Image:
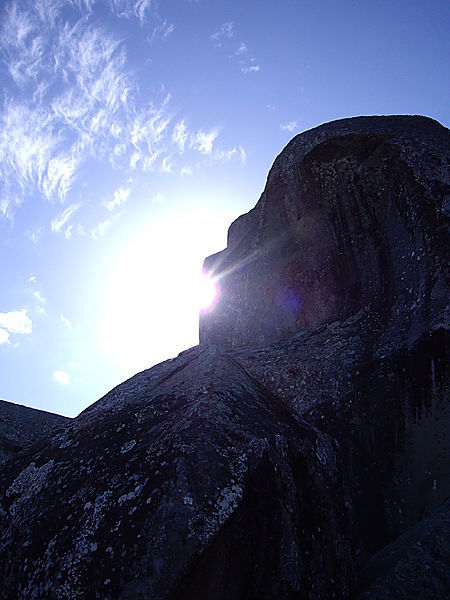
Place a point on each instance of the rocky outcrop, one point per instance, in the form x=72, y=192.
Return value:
x=354, y=214
x=301, y=451
x=334, y=292
x=190, y=480
x=20, y=426
x=387, y=406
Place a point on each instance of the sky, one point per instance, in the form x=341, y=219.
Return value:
x=134, y=131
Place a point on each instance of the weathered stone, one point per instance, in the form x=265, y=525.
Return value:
x=414, y=567
x=190, y=479
x=20, y=426
x=354, y=213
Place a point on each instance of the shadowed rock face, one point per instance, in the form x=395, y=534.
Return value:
x=191, y=479
x=300, y=456
x=354, y=212
x=417, y=565
x=20, y=426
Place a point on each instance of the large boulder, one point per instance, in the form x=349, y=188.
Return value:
x=354, y=213
x=190, y=480
x=334, y=292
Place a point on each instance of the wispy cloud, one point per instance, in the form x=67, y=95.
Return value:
x=162, y=32
x=58, y=223
x=290, y=126
x=102, y=228
x=225, y=32
x=16, y=321
x=180, y=135
x=39, y=297
x=250, y=69
x=4, y=336
x=65, y=321
x=203, y=142
x=133, y=8
x=225, y=37
x=61, y=377
x=71, y=97
x=34, y=234
x=31, y=155
x=120, y=196
x=237, y=151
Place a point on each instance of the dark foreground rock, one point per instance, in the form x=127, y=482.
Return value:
x=20, y=426
x=190, y=480
x=302, y=450
x=414, y=567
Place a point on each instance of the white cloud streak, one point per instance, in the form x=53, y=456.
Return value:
x=39, y=297
x=225, y=32
x=16, y=321
x=120, y=196
x=203, y=142
x=162, y=32
x=65, y=321
x=4, y=336
x=250, y=69
x=130, y=9
x=291, y=126
x=71, y=97
x=180, y=136
x=102, y=228
x=61, y=377
x=58, y=223
x=237, y=151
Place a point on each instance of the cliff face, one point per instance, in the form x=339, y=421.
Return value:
x=302, y=450
x=354, y=214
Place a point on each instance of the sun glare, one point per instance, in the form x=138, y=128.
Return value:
x=156, y=292
x=208, y=292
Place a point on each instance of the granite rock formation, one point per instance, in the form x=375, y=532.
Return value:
x=20, y=426
x=354, y=214
x=301, y=451
x=191, y=480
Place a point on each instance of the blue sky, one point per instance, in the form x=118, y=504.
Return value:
x=134, y=131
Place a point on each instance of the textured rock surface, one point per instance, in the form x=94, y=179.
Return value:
x=354, y=212
x=387, y=406
x=414, y=567
x=20, y=426
x=190, y=479
x=305, y=454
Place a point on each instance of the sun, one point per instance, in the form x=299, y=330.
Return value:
x=208, y=292
x=155, y=292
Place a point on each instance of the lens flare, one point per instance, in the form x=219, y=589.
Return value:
x=208, y=292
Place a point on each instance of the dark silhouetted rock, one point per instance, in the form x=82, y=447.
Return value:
x=190, y=479
x=414, y=567
x=283, y=456
x=354, y=213
x=20, y=426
